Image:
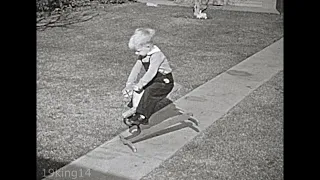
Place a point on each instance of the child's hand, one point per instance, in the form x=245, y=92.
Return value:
x=137, y=87
x=127, y=93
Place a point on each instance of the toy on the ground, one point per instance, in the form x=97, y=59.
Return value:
x=165, y=120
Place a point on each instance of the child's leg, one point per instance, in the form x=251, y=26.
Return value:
x=154, y=92
x=136, y=97
x=151, y=96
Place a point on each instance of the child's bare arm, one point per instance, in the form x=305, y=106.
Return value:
x=134, y=73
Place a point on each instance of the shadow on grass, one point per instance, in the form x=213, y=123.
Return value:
x=71, y=172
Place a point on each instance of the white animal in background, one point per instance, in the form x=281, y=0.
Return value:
x=201, y=15
x=199, y=7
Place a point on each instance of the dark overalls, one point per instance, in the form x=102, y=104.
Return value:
x=156, y=90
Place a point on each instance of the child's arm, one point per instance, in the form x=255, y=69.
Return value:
x=134, y=73
x=155, y=62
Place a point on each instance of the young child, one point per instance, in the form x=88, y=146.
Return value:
x=154, y=85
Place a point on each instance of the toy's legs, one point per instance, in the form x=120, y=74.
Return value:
x=129, y=115
x=135, y=102
x=170, y=118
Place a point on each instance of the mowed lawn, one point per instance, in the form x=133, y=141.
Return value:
x=81, y=69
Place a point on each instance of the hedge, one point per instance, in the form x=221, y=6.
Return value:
x=51, y=5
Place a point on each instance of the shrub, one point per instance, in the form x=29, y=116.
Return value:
x=51, y=5
x=54, y=13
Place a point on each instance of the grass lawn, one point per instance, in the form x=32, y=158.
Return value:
x=81, y=69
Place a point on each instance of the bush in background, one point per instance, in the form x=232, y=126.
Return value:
x=54, y=13
x=51, y=5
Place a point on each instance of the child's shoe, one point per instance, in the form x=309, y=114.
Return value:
x=139, y=119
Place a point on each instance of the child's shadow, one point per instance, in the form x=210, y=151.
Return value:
x=163, y=103
x=165, y=109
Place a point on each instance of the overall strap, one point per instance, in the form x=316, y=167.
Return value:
x=145, y=64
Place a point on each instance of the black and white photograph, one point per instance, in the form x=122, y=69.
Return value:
x=159, y=89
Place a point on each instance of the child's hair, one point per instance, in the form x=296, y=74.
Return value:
x=141, y=37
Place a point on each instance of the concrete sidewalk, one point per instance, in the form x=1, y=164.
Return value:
x=209, y=102
x=246, y=143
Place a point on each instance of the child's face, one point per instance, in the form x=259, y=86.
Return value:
x=142, y=51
